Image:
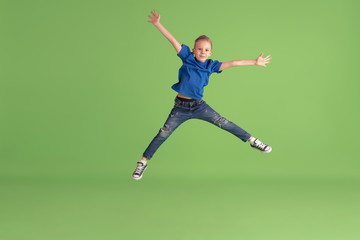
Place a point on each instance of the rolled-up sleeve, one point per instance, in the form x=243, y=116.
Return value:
x=184, y=52
x=215, y=66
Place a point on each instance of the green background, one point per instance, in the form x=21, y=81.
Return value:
x=85, y=86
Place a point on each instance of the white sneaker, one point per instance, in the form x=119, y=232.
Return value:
x=257, y=144
x=137, y=175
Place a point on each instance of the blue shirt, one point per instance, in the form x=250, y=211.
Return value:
x=194, y=75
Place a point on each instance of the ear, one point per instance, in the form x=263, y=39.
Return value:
x=193, y=50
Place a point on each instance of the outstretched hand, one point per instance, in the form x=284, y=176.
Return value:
x=155, y=18
x=262, y=61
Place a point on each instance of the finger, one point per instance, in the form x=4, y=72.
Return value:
x=155, y=12
x=159, y=15
x=149, y=16
x=261, y=54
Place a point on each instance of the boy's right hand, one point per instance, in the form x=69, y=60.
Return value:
x=155, y=18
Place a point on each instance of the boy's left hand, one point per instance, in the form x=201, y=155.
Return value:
x=262, y=61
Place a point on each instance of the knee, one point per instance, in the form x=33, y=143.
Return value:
x=165, y=131
x=221, y=121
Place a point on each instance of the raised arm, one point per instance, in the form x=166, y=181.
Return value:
x=260, y=61
x=155, y=19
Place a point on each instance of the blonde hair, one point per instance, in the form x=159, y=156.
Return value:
x=203, y=37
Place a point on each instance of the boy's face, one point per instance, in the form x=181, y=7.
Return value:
x=202, y=50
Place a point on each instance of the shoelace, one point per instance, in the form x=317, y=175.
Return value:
x=139, y=169
x=260, y=145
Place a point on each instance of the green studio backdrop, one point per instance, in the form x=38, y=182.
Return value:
x=86, y=85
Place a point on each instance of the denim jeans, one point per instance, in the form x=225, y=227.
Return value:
x=197, y=109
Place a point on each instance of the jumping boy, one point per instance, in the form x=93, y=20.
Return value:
x=193, y=77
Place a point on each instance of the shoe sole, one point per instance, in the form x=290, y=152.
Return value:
x=268, y=151
x=135, y=178
x=262, y=151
